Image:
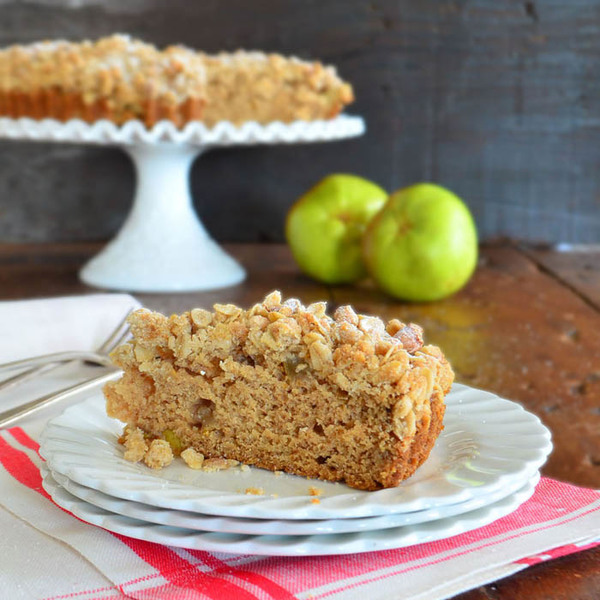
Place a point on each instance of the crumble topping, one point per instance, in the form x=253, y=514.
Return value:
x=119, y=68
x=125, y=78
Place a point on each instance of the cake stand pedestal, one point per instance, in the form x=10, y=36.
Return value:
x=163, y=246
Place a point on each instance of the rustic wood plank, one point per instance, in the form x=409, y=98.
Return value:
x=573, y=577
x=578, y=268
x=268, y=267
x=38, y=270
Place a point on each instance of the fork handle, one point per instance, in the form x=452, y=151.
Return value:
x=8, y=417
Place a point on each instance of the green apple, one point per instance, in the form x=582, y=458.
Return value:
x=422, y=245
x=324, y=228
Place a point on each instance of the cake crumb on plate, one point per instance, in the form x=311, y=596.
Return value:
x=159, y=454
x=218, y=464
x=193, y=458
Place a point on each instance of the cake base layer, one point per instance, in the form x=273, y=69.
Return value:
x=64, y=106
x=274, y=427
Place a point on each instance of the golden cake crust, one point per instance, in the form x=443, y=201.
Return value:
x=120, y=78
x=286, y=387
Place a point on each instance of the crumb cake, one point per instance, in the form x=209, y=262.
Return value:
x=283, y=387
x=121, y=78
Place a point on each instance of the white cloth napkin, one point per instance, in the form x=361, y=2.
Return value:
x=46, y=553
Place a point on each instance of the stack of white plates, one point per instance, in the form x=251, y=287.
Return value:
x=484, y=465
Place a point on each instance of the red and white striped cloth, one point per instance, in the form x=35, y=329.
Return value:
x=46, y=553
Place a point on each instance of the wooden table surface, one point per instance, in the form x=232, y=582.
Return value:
x=526, y=327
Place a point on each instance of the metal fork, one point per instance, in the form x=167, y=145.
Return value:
x=118, y=336
x=39, y=365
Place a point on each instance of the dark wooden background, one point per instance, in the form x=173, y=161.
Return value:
x=497, y=99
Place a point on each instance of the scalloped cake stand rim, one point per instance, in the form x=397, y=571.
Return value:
x=194, y=133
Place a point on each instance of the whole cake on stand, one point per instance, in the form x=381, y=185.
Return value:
x=164, y=108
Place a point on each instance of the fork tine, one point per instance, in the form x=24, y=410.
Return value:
x=124, y=337
x=45, y=364
x=54, y=358
x=117, y=336
x=121, y=340
x=26, y=376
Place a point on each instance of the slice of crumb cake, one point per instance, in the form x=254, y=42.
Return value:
x=285, y=387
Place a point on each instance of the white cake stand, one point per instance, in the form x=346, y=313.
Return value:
x=163, y=246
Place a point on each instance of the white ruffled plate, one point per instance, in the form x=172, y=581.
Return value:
x=488, y=444
x=288, y=545
x=200, y=522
